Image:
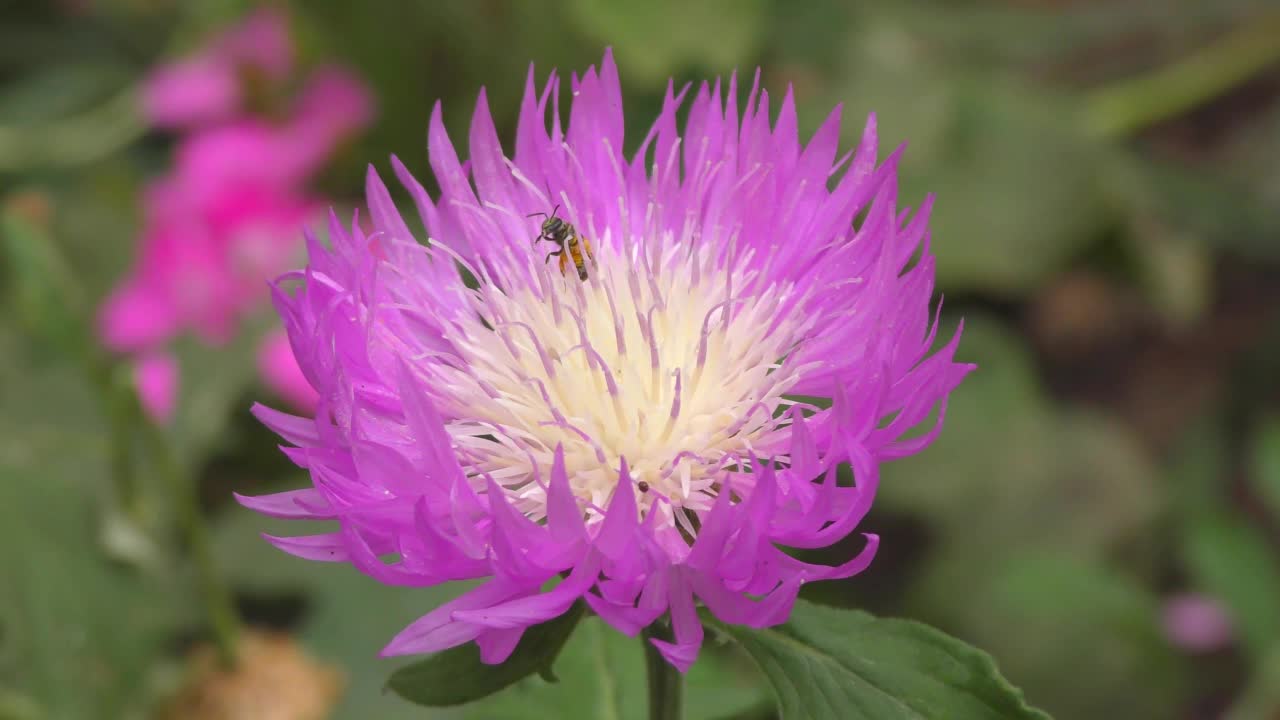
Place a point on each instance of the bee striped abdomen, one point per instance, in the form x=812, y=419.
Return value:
x=579, y=250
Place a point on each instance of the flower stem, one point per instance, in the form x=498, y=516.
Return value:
x=666, y=684
x=1133, y=104
x=224, y=620
x=121, y=408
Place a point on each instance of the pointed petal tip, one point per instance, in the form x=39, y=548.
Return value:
x=681, y=657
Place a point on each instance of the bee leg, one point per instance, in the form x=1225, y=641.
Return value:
x=552, y=254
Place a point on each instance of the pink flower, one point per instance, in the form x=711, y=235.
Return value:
x=632, y=429
x=207, y=86
x=190, y=91
x=156, y=377
x=261, y=41
x=332, y=106
x=225, y=219
x=204, y=262
x=281, y=374
x=1196, y=622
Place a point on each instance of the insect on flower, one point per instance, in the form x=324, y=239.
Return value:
x=570, y=243
x=642, y=442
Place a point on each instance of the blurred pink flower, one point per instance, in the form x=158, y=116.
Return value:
x=206, y=86
x=330, y=108
x=228, y=216
x=1196, y=622
x=260, y=41
x=156, y=377
x=190, y=91
x=281, y=374
x=204, y=265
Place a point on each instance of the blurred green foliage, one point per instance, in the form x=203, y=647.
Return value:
x=1106, y=454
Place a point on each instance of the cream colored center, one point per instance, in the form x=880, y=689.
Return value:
x=656, y=361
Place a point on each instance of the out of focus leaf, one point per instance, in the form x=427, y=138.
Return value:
x=827, y=663
x=1195, y=472
x=1204, y=205
x=1043, y=481
x=1175, y=270
x=1074, y=478
x=1233, y=561
x=1043, y=611
x=457, y=675
x=81, y=634
x=1016, y=181
x=347, y=617
x=14, y=706
x=55, y=91
x=1266, y=463
x=1251, y=159
x=95, y=224
x=1261, y=697
x=47, y=301
x=601, y=674
x=212, y=388
x=653, y=39
x=1002, y=33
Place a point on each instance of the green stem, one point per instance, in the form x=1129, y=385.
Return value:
x=666, y=684
x=121, y=407
x=1130, y=105
x=73, y=141
x=224, y=621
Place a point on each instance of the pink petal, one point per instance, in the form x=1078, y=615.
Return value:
x=156, y=376
x=280, y=373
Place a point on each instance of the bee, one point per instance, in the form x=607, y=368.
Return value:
x=571, y=245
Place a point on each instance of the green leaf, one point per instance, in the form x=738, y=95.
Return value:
x=80, y=635
x=1261, y=697
x=55, y=91
x=1034, y=472
x=214, y=387
x=1233, y=561
x=1040, y=610
x=1266, y=463
x=602, y=677
x=651, y=47
x=1016, y=182
x=47, y=300
x=1060, y=492
x=827, y=663
x=457, y=675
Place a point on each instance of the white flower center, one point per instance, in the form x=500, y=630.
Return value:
x=659, y=360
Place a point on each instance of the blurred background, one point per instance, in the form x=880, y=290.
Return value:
x=1101, y=513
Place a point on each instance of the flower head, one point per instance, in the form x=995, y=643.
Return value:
x=209, y=84
x=646, y=435
x=1196, y=622
x=224, y=220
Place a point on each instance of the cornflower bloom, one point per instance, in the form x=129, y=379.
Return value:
x=641, y=439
